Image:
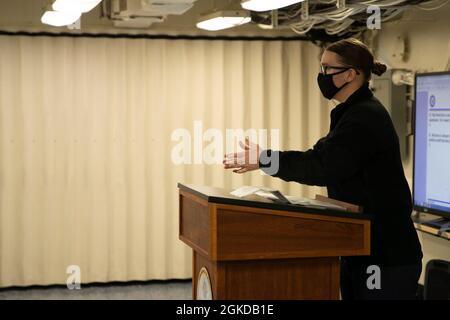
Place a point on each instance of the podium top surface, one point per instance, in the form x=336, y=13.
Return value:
x=223, y=196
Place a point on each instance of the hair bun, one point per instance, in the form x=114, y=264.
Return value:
x=378, y=68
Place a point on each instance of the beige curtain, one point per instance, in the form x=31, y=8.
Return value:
x=86, y=176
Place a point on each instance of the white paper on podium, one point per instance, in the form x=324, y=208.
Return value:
x=296, y=200
x=247, y=190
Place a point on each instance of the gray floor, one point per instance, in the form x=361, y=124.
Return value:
x=141, y=291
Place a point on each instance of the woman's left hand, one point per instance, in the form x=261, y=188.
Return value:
x=247, y=160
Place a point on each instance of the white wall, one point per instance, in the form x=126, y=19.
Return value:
x=428, y=36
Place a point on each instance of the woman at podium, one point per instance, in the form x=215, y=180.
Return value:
x=359, y=162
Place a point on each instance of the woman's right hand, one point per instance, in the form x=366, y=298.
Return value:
x=247, y=160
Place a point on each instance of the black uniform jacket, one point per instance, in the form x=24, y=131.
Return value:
x=359, y=162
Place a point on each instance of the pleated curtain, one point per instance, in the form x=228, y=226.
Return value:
x=86, y=124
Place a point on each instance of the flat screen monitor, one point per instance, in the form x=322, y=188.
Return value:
x=431, y=172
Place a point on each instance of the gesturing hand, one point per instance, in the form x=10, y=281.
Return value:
x=247, y=160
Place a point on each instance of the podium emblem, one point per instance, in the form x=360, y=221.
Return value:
x=204, y=291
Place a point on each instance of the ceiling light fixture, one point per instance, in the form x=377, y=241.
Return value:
x=223, y=20
x=67, y=12
x=267, y=5
x=59, y=19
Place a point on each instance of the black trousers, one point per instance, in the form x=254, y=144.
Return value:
x=397, y=282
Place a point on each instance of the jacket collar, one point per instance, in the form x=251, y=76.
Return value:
x=361, y=93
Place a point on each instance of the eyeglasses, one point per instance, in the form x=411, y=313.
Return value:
x=324, y=69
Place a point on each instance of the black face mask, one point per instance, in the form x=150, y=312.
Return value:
x=327, y=86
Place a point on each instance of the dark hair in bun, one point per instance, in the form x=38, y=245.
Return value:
x=356, y=54
x=378, y=68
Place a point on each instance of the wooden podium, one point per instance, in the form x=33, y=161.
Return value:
x=254, y=248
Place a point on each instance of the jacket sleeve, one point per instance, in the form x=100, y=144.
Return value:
x=333, y=159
